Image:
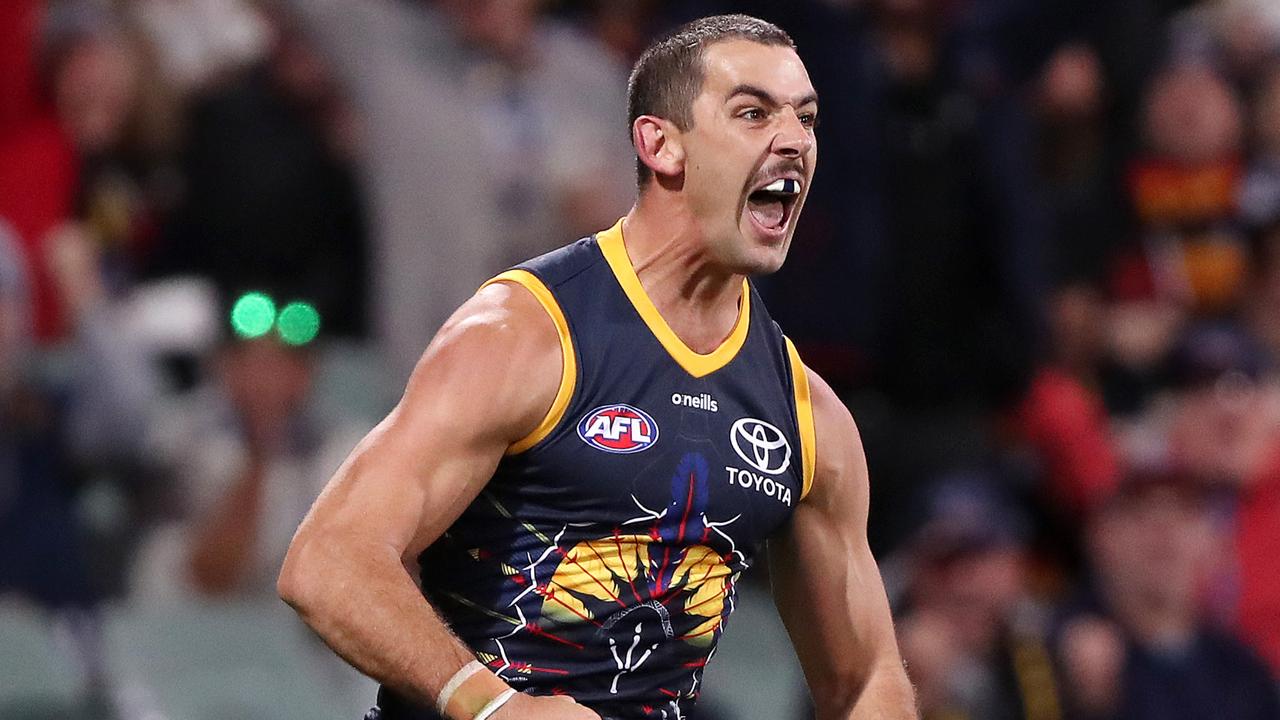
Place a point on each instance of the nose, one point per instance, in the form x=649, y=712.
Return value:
x=793, y=139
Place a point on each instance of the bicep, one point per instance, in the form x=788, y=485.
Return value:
x=825, y=580
x=418, y=469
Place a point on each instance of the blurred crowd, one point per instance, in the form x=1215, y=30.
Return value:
x=1040, y=262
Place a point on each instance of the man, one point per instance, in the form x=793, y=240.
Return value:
x=1142, y=647
x=592, y=448
x=528, y=142
x=967, y=624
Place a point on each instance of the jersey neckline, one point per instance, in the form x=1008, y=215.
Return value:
x=696, y=364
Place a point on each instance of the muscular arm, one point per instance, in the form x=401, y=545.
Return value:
x=827, y=587
x=485, y=381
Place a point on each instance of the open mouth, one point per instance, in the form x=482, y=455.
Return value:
x=770, y=206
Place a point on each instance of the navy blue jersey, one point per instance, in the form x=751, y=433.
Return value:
x=602, y=559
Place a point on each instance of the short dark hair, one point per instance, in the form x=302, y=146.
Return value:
x=668, y=75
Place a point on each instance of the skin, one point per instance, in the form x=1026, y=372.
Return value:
x=267, y=383
x=827, y=586
x=691, y=241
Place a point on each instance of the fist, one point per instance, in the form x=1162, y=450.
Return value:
x=533, y=707
x=1093, y=657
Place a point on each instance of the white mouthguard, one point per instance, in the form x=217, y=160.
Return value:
x=783, y=185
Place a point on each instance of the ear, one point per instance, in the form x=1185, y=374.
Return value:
x=658, y=144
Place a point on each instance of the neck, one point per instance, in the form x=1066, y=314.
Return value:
x=1156, y=622
x=672, y=256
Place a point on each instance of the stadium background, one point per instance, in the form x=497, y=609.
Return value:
x=1041, y=262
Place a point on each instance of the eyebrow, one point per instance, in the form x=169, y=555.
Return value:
x=765, y=97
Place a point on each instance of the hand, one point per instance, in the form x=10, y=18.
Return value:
x=73, y=260
x=554, y=707
x=1093, y=657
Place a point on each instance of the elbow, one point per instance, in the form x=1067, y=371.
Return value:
x=297, y=582
x=845, y=691
x=836, y=696
x=319, y=560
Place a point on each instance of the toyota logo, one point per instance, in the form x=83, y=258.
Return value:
x=761, y=445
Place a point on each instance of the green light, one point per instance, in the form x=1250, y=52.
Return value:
x=299, y=323
x=252, y=315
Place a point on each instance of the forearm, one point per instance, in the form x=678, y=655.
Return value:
x=221, y=552
x=359, y=599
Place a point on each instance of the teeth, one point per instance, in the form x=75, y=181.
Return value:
x=783, y=185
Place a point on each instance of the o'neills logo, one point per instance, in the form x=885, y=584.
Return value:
x=703, y=401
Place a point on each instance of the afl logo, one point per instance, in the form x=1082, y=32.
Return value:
x=761, y=445
x=620, y=429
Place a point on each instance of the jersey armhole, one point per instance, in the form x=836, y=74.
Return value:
x=804, y=417
x=569, y=369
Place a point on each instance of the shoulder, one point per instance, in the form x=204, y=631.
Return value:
x=496, y=361
x=1228, y=651
x=505, y=323
x=838, y=440
x=839, y=462
x=500, y=316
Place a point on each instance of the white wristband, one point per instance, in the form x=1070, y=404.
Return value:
x=455, y=682
x=494, y=704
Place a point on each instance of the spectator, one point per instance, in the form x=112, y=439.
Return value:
x=90, y=156
x=45, y=549
x=42, y=543
x=1227, y=433
x=38, y=167
x=249, y=458
x=1240, y=36
x=529, y=151
x=1142, y=649
x=1062, y=418
x=967, y=634
x=269, y=193
x=1187, y=258
x=1227, y=404
x=1184, y=189
x=1078, y=164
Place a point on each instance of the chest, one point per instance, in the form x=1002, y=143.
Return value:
x=653, y=451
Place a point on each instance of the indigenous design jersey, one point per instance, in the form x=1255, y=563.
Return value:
x=602, y=560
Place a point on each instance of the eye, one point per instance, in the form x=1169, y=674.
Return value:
x=809, y=120
x=753, y=114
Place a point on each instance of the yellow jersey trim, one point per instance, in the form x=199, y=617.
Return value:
x=804, y=417
x=569, y=371
x=696, y=364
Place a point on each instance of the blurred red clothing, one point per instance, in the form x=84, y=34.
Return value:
x=38, y=165
x=38, y=171
x=1258, y=552
x=1066, y=424
x=19, y=102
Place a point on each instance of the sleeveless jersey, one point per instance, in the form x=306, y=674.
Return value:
x=603, y=557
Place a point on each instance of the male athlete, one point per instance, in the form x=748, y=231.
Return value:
x=595, y=446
